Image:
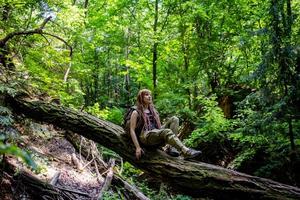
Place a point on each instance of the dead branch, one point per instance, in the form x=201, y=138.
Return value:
x=108, y=179
x=87, y=164
x=130, y=190
x=67, y=72
x=55, y=178
x=73, y=191
x=99, y=177
x=86, y=148
x=76, y=162
x=134, y=192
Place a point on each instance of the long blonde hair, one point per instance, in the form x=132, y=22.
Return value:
x=141, y=106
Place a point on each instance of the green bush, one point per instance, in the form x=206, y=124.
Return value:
x=211, y=124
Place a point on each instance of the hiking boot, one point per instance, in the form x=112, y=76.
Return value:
x=191, y=153
x=172, y=151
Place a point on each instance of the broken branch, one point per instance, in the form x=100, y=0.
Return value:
x=108, y=179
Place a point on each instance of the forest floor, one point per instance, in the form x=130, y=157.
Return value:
x=55, y=156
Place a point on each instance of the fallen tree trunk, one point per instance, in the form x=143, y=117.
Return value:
x=194, y=178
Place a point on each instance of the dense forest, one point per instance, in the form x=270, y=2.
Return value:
x=229, y=69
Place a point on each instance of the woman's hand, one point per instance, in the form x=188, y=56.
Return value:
x=138, y=153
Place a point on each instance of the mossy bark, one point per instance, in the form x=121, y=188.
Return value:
x=194, y=178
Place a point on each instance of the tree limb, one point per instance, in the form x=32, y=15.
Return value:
x=30, y=32
x=38, y=30
x=108, y=179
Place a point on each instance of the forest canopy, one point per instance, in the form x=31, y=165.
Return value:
x=230, y=70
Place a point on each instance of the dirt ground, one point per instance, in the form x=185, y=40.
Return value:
x=53, y=155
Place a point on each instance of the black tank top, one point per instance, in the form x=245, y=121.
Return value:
x=151, y=123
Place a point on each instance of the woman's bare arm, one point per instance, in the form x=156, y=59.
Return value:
x=133, y=120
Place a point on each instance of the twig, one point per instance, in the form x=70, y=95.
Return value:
x=62, y=40
x=34, y=31
x=108, y=179
x=129, y=191
x=73, y=191
x=80, y=148
x=55, y=178
x=132, y=190
x=88, y=153
x=88, y=163
x=106, y=171
x=122, y=166
x=76, y=162
x=99, y=177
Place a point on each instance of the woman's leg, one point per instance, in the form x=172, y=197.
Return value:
x=166, y=136
x=161, y=137
x=173, y=124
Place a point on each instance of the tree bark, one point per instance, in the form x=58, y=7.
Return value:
x=193, y=178
x=154, y=50
x=127, y=75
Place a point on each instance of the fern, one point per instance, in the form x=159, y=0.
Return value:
x=242, y=157
x=9, y=88
x=5, y=117
x=6, y=131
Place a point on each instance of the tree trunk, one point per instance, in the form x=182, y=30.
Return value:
x=193, y=178
x=154, y=50
x=127, y=76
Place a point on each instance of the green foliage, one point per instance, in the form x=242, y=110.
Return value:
x=71, y=94
x=9, y=88
x=130, y=171
x=261, y=117
x=244, y=156
x=203, y=48
x=132, y=174
x=5, y=117
x=182, y=197
x=15, y=151
x=8, y=134
x=171, y=103
x=212, y=124
x=107, y=153
x=278, y=160
x=114, y=114
x=110, y=195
